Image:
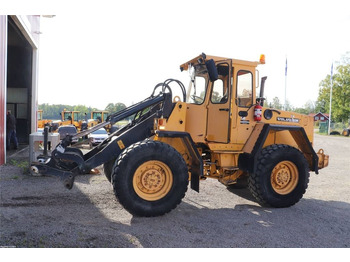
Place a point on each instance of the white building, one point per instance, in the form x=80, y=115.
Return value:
x=19, y=48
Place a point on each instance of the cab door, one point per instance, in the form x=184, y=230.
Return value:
x=219, y=110
x=244, y=100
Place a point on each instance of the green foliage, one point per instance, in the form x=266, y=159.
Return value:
x=308, y=108
x=22, y=164
x=340, y=93
x=275, y=103
x=113, y=108
x=53, y=111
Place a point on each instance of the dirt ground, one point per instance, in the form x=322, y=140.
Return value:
x=40, y=212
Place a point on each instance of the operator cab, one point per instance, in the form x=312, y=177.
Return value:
x=219, y=89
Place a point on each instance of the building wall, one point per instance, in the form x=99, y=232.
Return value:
x=3, y=64
x=29, y=29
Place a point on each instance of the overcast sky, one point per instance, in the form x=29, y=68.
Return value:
x=95, y=53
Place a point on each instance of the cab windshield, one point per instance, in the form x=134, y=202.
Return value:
x=198, y=85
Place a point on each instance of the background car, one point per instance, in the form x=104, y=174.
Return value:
x=97, y=136
x=67, y=130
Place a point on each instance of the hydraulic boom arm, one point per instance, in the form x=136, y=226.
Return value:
x=67, y=162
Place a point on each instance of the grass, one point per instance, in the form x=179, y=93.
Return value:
x=22, y=164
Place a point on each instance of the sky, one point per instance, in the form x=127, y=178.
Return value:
x=98, y=52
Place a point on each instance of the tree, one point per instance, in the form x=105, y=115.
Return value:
x=53, y=111
x=113, y=108
x=275, y=103
x=308, y=108
x=288, y=106
x=340, y=94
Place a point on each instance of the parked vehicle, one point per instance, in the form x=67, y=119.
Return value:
x=68, y=130
x=97, y=137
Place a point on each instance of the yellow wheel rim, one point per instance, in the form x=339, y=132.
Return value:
x=152, y=180
x=284, y=177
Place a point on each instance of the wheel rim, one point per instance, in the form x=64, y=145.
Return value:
x=152, y=180
x=284, y=177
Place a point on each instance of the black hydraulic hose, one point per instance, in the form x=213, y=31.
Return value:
x=183, y=89
x=165, y=85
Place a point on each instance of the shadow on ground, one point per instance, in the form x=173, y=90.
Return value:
x=39, y=212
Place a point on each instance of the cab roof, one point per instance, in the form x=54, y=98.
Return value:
x=194, y=61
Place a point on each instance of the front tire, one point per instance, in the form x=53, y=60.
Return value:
x=281, y=177
x=150, y=178
x=108, y=169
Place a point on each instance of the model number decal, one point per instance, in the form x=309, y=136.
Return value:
x=244, y=121
x=120, y=144
x=288, y=119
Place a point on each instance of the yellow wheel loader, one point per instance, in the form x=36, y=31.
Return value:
x=100, y=116
x=74, y=118
x=42, y=122
x=71, y=118
x=218, y=128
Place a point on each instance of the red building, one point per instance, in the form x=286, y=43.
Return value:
x=320, y=117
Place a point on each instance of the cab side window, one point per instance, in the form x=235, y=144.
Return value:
x=219, y=96
x=220, y=91
x=198, y=92
x=244, y=88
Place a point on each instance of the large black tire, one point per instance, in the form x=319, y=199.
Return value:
x=150, y=178
x=346, y=132
x=108, y=168
x=281, y=177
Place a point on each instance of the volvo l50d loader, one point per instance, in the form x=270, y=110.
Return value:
x=218, y=128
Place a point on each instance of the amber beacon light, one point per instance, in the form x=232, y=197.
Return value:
x=262, y=59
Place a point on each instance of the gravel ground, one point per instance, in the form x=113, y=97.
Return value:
x=40, y=212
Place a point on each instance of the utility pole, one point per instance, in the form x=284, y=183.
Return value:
x=330, y=102
x=285, y=87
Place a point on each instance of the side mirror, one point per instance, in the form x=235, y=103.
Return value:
x=212, y=70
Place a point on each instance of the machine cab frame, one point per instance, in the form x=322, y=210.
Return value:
x=221, y=100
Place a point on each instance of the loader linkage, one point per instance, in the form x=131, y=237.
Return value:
x=66, y=162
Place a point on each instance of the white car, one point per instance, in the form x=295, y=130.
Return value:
x=97, y=136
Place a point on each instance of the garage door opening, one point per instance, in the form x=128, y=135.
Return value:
x=19, y=80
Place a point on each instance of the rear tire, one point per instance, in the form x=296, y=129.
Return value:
x=281, y=177
x=150, y=178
